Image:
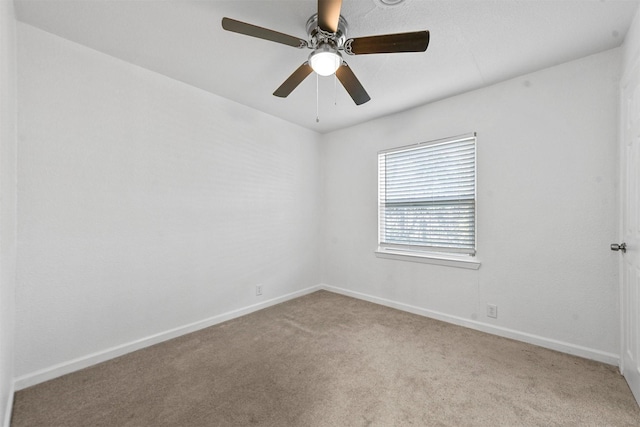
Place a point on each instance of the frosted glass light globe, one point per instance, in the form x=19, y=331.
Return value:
x=325, y=61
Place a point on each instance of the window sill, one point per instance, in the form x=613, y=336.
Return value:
x=459, y=261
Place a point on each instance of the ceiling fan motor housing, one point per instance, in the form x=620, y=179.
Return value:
x=319, y=37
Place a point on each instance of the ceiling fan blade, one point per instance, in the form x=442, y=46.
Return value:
x=352, y=84
x=293, y=81
x=262, y=33
x=329, y=14
x=390, y=43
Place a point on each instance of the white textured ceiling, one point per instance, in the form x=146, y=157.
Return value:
x=474, y=43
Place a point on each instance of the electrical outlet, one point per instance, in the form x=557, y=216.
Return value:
x=258, y=290
x=492, y=311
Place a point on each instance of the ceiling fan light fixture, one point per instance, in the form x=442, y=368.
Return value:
x=325, y=60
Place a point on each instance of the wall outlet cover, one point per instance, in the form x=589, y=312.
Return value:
x=492, y=311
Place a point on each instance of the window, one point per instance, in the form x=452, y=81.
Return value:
x=427, y=198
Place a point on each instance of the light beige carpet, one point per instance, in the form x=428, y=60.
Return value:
x=329, y=360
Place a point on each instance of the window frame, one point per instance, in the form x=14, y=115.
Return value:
x=431, y=255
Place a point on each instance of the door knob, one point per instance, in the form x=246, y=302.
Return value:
x=619, y=247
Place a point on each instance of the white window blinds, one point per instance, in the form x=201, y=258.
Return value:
x=426, y=196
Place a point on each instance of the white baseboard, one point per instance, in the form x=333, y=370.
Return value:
x=564, y=347
x=58, y=370
x=110, y=353
x=8, y=410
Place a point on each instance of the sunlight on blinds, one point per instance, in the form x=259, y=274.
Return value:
x=426, y=196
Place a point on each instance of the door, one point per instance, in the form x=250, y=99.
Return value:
x=630, y=227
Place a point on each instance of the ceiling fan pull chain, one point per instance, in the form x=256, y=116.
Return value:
x=335, y=89
x=317, y=101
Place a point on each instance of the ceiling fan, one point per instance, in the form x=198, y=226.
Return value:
x=327, y=37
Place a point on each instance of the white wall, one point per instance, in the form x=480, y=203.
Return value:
x=7, y=203
x=146, y=205
x=546, y=209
